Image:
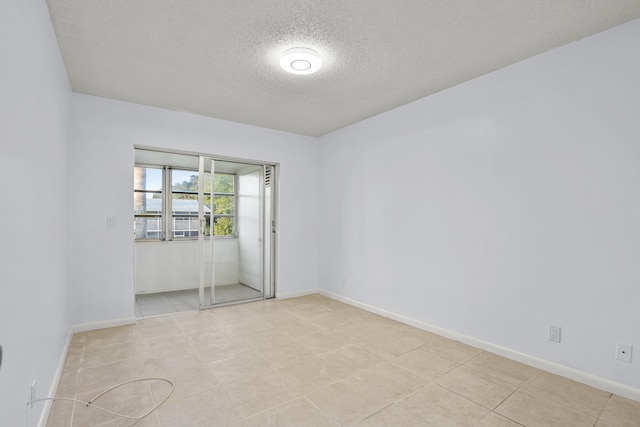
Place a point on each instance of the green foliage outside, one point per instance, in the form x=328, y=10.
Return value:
x=223, y=204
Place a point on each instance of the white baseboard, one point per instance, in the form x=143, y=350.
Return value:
x=84, y=327
x=280, y=295
x=44, y=417
x=545, y=365
x=167, y=289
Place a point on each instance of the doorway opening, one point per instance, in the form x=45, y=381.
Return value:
x=204, y=231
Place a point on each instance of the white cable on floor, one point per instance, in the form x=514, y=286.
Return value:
x=90, y=402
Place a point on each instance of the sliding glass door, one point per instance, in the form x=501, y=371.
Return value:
x=237, y=230
x=206, y=250
x=204, y=230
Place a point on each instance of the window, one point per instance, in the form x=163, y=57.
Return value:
x=184, y=203
x=224, y=198
x=147, y=202
x=166, y=203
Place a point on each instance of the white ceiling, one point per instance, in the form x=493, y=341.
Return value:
x=220, y=58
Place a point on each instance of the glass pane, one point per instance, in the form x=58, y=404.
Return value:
x=207, y=182
x=148, y=228
x=147, y=178
x=182, y=180
x=223, y=205
x=223, y=226
x=147, y=203
x=186, y=204
x=184, y=227
x=223, y=183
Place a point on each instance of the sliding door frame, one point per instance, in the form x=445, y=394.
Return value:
x=269, y=275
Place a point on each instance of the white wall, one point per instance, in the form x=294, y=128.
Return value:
x=34, y=288
x=501, y=206
x=103, y=135
x=173, y=266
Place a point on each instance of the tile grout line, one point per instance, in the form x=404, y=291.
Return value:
x=228, y=318
x=603, y=408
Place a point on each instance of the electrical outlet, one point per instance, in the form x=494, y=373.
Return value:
x=554, y=333
x=623, y=352
x=33, y=393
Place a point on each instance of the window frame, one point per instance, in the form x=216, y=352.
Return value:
x=170, y=227
x=160, y=214
x=167, y=216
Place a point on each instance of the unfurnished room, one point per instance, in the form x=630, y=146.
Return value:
x=320, y=213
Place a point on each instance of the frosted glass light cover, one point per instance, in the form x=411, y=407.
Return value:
x=300, y=60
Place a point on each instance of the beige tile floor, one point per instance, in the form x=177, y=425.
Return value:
x=312, y=361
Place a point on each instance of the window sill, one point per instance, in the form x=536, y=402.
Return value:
x=186, y=240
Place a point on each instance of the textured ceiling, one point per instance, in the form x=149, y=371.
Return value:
x=221, y=58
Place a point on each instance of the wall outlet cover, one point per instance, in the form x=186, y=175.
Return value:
x=554, y=333
x=623, y=352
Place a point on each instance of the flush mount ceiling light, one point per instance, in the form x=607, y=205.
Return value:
x=300, y=60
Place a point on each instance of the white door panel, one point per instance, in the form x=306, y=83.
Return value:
x=249, y=229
